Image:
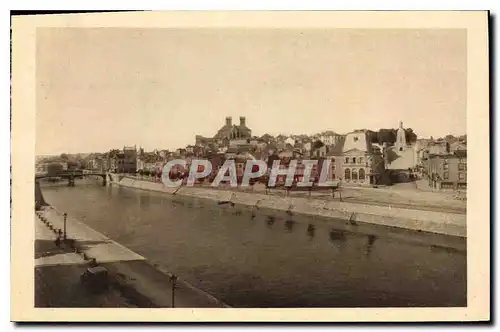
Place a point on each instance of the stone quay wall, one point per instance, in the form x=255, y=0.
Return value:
x=451, y=224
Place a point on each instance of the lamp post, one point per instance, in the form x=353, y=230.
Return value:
x=65, y=217
x=339, y=187
x=173, y=280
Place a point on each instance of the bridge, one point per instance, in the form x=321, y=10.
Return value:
x=71, y=176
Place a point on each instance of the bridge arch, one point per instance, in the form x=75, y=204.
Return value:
x=71, y=176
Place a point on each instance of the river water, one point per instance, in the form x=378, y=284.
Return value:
x=257, y=261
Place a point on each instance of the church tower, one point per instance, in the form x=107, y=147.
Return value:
x=400, y=137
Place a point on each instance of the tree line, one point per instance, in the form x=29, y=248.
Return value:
x=389, y=136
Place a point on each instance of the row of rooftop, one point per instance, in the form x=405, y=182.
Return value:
x=232, y=140
x=371, y=155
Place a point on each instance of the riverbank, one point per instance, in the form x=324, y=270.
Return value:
x=142, y=283
x=414, y=219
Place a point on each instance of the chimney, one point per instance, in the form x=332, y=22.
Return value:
x=228, y=121
x=242, y=121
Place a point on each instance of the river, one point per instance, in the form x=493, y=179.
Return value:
x=257, y=261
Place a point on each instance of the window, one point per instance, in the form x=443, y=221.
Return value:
x=354, y=174
x=353, y=160
x=361, y=174
x=333, y=176
x=347, y=174
x=360, y=160
x=461, y=176
x=355, y=138
x=445, y=175
x=446, y=185
x=461, y=167
x=445, y=166
x=333, y=160
x=347, y=160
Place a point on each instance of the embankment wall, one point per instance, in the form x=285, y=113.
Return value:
x=453, y=224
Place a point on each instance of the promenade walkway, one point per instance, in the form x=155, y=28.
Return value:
x=57, y=277
x=142, y=283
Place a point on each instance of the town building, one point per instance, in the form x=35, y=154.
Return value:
x=202, y=141
x=421, y=149
x=216, y=161
x=438, y=147
x=287, y=155
x=401, y=160
x=356, y=161
x=329, y=137
x=126, y=160
x=96, y=164
x=228, y=135
x=319, y=152
x=447, y=171
x=140, y=164
x=112, y=162
x=400, y=138
x=230, y=152
x=445, y=165
x=230, y=131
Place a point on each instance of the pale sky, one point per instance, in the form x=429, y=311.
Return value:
x=104, y=88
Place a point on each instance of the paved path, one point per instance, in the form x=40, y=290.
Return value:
x=57, y=277
x=92, y=242
x=143, y=284
x=47, y=253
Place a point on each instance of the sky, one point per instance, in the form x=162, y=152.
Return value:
x=103, y=88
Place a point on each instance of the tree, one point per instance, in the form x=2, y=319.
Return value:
x=72, y=164
x=449, y=137
x=386, y=136
x=410, y=136
x=113, y=153
x=63, y=157
x=372, y=136
x=54, y=169
x=317, y=144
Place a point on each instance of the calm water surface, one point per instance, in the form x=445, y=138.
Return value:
x=262, y=262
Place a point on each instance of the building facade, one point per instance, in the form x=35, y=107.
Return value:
x=126, y=160
x=329, y=137
x=357, y=161
x=230, y=131
x=228, y=135
x=447, y=171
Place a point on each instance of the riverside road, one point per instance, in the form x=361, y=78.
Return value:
x=256, y=260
